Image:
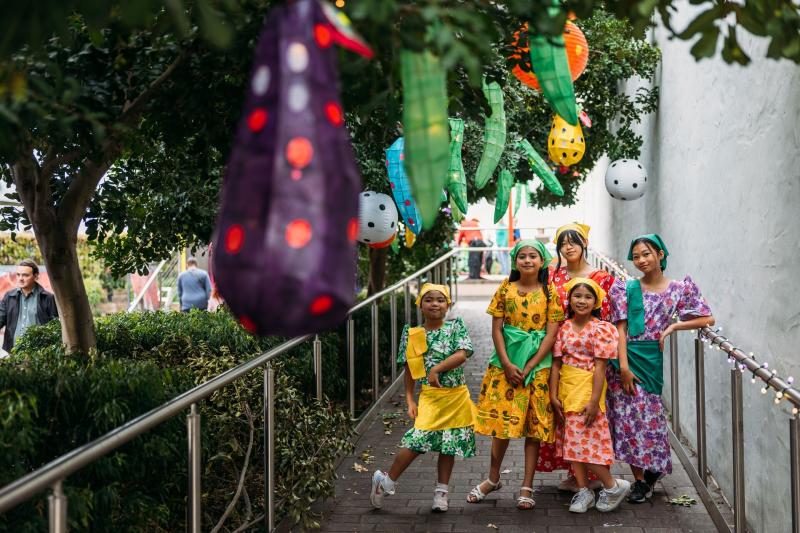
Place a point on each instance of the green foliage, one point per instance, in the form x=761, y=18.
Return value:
x=143, y=360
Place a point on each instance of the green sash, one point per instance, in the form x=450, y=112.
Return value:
x=646, y=361
x=633, y=294
x=521, y=345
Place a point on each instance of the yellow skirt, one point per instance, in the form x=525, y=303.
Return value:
x=509, y=412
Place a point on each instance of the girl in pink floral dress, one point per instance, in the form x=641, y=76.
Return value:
x=643, y=310
x=583, y=347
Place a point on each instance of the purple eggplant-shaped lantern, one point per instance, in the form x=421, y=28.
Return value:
x=285, y=256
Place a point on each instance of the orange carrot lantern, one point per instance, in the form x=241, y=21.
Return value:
x=577, y=54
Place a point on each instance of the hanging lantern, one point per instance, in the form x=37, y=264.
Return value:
x=505, y=182
x=577, y=54
x=284, y=252
x=377, y=219
x=540, y=168
x=410, y=238
x=626, y=179
x=494, y=134
x=426, y=129
x=565, y=143
x=456, y=179
x=401, y=188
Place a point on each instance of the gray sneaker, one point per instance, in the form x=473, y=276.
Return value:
x=611, y=498
x=377, y=491
x=582, y=501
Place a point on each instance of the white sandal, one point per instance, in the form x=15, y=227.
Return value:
x=525, y=500
x=478, y=495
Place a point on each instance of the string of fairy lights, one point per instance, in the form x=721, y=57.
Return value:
x=711, y=337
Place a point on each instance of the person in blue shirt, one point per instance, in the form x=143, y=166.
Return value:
x=194, y=287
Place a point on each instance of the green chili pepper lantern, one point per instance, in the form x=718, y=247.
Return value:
x=494, y=134
x=550, y=65
x=520, y=190
x=540, y=168
x=425, y=127
x=504, y=185
x=456, y=179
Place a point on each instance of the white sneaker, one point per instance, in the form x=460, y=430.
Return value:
x=570, y=484
x=377, y=491
x=611, y=498
x=582, y=501
x=440, y=504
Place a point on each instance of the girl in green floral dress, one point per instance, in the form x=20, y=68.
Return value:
x=433, y=355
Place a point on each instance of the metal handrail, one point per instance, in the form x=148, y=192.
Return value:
x=149, y=282
x=741, y=362
x=52, y=475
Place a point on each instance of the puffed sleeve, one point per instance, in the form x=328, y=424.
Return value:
x=401, y=347
x=558, y=347
x=461, y=337
x=692, y=304
x=555, y=311
x=618, y=300
x=605, y=339
x=498, y=306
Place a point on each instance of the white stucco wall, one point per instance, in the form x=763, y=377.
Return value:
x=723, y=154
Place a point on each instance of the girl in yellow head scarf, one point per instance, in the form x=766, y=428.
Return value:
x=433, y=355
x=577, y=392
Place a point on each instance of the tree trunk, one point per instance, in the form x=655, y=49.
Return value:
x=74, y=311
x=377, y=269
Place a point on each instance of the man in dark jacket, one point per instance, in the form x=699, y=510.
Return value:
x=27, y=305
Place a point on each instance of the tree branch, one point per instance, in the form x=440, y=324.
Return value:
x=245, y=464
x=76, y=200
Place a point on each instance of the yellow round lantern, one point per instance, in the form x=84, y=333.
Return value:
x=565, y=144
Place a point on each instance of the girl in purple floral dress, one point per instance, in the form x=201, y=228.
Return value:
x=643, y=310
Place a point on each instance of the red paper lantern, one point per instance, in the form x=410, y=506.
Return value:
x=577, y=54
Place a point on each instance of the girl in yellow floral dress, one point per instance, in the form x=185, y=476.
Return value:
x=514, y=399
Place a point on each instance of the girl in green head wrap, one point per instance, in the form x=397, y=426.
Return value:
x=514, y=399
x=643, y=310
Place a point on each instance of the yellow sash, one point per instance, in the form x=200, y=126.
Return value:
x=415, y=349
x=575, y=389
x=444, y=408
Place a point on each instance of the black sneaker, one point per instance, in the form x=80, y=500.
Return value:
x=651, y=477
x=640, y=492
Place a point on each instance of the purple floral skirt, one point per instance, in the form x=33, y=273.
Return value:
x=638, y=426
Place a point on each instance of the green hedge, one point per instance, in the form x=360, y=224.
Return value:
x=53, y=403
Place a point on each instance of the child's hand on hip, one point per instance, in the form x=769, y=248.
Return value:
x=433, y=379
x=590, y=412
x=412, y=410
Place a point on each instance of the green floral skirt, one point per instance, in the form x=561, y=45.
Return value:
x=456, y=441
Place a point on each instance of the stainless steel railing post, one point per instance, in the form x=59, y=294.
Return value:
x=700, y=400
x=351, y=364
x=674, y=385
x=195, y=492
x=393, y=333
x=419, y=311
x=407, y=302
x=375, y=354
x=318, y=366
x=455, y=276
x=794, y=450
x=57, y=509
x=737, y=419
x=269, y=447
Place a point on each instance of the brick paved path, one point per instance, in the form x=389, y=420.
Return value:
x=409, y=508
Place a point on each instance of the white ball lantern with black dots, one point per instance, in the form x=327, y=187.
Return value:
x=377, y=218
x=626, y=179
